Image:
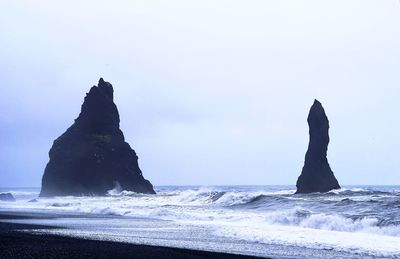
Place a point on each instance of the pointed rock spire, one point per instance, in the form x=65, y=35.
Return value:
x=91, y=157
x=317, y=175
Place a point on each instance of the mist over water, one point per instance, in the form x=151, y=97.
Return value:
x=211, y=92
x=364, y=219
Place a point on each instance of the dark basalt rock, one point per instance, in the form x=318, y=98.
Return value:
x=92, y=155
x=317, y=175
x=6, y=197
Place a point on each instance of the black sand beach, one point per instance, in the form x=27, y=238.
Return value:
x=17, y=241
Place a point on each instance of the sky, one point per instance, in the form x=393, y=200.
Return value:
x=210, y=92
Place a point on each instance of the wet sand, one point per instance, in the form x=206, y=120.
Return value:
x=20, y=241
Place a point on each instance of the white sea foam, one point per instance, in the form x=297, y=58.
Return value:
x=354, y=242
x=163, y=208
x=338, y=191
x=26, y=193
x=301, y=222
x=118, y=191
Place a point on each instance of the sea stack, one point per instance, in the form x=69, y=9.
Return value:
x=317, y=175
x=92, y=157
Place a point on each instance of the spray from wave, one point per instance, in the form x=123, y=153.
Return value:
x=347, y=210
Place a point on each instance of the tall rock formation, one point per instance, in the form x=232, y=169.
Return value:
x=317, y=175
x=92, y=157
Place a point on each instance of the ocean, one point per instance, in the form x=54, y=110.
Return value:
x=354, y=222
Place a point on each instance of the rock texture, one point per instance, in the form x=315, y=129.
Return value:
x=91, y=157
x=317, y=175
x=6, y=197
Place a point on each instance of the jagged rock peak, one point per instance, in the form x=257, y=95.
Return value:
x=317, y=117
x=106, y=88
x=99, y=112
x=317, y=175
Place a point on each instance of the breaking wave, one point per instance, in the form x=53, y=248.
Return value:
x=333, y=222
x=347, y=210
x=227, y=198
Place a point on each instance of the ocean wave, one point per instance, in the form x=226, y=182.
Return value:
x=357, y=192
x=118, y=191
x=205, y=196
x=217, y=202
x=22, y=193
x=359, y=244
x=200, y=196
x=306, y=219
x=61, y=204
x=210, y=196
x=341, y=211
x=297, y=217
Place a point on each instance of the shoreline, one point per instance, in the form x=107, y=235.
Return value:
x=255, y=221
x=19, y=241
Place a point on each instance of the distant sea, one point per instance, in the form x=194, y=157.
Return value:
x=356, y=221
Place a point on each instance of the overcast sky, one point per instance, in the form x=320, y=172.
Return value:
x=209, y=92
